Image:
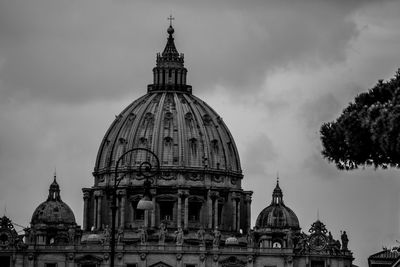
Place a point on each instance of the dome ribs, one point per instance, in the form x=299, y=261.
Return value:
x=134, y=136
x=203, y=137
x=216, y=139
x=181, y=146
x=167, y=140
x=102, y=158
x=121, y=124
x=157, y=145
x=113, y=135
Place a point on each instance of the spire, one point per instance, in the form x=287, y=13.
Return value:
x=170, y=73
x=277, y=195
x=170, y=51
x=54, y=190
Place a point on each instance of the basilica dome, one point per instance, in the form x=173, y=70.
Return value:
x=277, y=214
x=185, y=133
x=53, y=211
x=198, y=182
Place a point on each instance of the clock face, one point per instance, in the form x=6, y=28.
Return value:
x=318, y=241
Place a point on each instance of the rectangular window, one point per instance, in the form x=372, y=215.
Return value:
x=166, y=210
x=194, y=211
x=138, y=215
x=131, y=265
x=51, y=265
x=5, y=261
x=190, y=265
x=317, y=264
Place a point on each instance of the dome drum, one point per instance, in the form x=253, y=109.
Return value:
x=173, y=178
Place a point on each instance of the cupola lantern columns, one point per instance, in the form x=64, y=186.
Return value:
x=170, y=73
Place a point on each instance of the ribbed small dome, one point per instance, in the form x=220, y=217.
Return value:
x=277, y=214
x=53, y=210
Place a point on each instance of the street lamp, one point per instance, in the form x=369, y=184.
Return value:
x=145, y=169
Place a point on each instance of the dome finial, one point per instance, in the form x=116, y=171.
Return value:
x=277, y=193
x=170, y=29
x=54, y=190
x=170, y=18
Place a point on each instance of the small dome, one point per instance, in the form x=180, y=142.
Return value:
x=277, y=214
x=53, y=210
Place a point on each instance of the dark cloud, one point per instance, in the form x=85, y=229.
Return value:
x=74, y=52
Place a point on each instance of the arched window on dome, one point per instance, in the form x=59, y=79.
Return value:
x=141, y=156
x=147, y=122
x=215, y=153
x=193, y=152
x=168, y=151
x=121, y=148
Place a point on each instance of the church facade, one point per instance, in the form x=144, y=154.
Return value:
x=201, y=215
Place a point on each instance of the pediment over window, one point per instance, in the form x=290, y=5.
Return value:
x=232, y=262
x=195, y=198
x=88, y=259
x=166, y=197
x=160, y=264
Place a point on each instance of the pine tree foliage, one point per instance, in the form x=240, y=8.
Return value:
x=367, y=133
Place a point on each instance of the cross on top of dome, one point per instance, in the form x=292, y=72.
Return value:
x=170, y=18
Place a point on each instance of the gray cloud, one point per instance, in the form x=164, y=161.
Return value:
x=274, y=70
x=70, y=52
x=258, y=154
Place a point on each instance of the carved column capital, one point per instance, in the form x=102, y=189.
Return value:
x=98, y=193
x=86, y=194
x=214, y=194
x=235, y=196
x=121, y=192
x=183, y=193
x=247, y=198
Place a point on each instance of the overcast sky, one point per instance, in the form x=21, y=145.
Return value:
x=274, y=70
